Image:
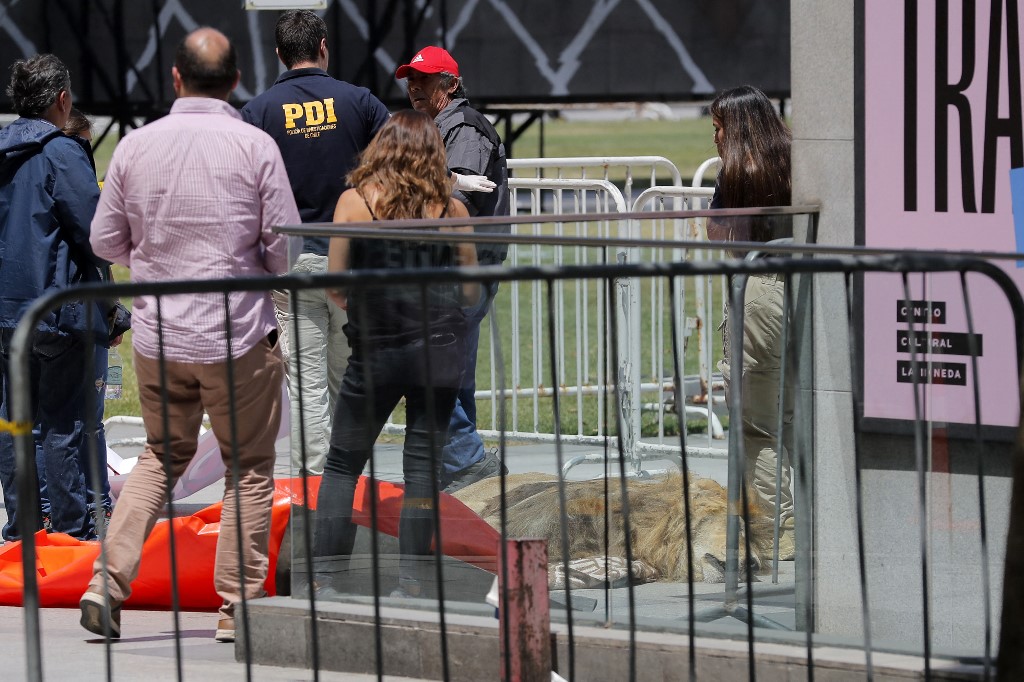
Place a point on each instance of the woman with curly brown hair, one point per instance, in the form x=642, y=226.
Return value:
x=407, y=341
x=754, y=144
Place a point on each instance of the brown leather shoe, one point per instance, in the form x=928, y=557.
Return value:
x=98, y=615
x=225, y=630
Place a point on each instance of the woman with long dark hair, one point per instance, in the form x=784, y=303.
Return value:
x=754, y=144
x=407, y=341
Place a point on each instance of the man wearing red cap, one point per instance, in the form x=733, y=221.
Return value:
x=473, y=148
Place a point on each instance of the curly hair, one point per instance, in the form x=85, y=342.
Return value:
x=36, y=83
x=406, y=163
x=755, y=155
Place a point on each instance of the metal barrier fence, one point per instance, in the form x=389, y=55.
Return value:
x=582, y=186
x=642, y=171
x=581, y=311
x=744, y=533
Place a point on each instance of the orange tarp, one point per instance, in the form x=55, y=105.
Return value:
x=464, y=535
x=64, y=564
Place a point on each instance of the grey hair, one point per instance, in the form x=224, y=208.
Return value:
x=446, y=82
x=36, y=83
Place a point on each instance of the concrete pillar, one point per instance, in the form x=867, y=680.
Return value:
x=824, y=157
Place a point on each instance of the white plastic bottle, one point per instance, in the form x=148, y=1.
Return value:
x=114, y=375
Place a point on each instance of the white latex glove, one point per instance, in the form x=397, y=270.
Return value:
x=472, y=183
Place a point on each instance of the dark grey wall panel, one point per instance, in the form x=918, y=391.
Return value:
x=120, y=51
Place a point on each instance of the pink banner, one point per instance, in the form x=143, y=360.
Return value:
x=942, y=128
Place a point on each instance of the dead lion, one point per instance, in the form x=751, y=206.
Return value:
x=656, y=518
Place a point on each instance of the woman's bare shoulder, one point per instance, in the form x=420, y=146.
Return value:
x=351, y=207
x=457, y=209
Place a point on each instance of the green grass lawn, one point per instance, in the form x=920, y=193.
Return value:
x=102, y=152
x=128, y=404
x=686, y=143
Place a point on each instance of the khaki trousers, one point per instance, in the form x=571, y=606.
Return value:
x=320, y=354
x=191, y=388
x=762, y=362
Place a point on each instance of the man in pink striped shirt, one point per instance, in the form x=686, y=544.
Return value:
x=194, y=195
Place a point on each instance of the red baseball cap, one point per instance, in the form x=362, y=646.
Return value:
x=430, y=60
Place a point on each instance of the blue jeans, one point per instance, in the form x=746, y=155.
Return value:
x=101, y=436
x=58, y=391
x=373, y=384
x=86, y=453
x=465, y=447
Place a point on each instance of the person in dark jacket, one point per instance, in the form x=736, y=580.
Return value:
x=79, y=129
x=472, y=147
x=48, y=195
x=320, y=125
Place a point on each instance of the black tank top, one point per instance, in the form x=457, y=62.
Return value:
x=394, y=314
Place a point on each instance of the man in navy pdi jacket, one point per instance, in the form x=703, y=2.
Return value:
x=321, y=125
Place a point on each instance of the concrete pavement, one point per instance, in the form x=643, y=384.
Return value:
x=146, y=651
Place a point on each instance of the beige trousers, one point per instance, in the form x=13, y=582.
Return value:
x=191, y=388
x=762, y=363
x=321, y=355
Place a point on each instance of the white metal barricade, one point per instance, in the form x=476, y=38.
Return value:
x=656, y=170
x=656, y=376
x=578, y=370
x=582, y=346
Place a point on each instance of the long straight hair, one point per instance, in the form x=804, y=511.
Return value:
x=755, y=154
x=406, y=164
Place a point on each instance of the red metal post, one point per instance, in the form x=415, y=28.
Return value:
x=524, y=611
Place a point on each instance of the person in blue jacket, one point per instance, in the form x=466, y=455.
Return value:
x=79, y=129
x=48, y=195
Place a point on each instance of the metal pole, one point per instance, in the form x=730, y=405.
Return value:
x=526, y=624
x=735, y=475
x=780, y=441
x=627, y=313
x=27, y=484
